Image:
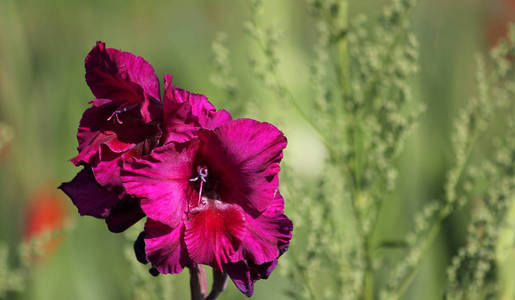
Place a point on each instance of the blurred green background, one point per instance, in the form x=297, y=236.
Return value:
x=43, y=94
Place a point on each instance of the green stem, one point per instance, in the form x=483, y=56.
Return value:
x=369, y=286
x=342, y=23
x=444, y=213
x=342, y=46
x=433, y=234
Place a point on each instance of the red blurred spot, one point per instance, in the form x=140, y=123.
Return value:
x=501, y=14
x=45, y=212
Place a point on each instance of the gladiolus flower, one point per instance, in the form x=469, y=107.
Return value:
x=207, y=184
x=214, y=201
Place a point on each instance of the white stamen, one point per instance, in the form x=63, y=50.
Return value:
x=116, y=117
x=202, y=175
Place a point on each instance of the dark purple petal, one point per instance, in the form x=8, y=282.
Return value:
x=139, y=248
x=244, y=275
x=89, y=197
x=165, y=247
x=240, y=275
x=118, y=209
x=262, y=271
x=124, y=214
x=154, y=272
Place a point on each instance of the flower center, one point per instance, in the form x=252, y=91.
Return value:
x=202, y=175
x=202, y=178
x=206, y=186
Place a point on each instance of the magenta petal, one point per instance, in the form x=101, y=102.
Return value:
x=106, y=168
x=217, y=119
x=202, y=109
x=266, y=234
x=89, y=197
x=184, y=113
x=161, y=181
x=168, y=98
x=246, y=154
x=165, y=247
x=213, y=233
x=120, y=76
x=180, y=125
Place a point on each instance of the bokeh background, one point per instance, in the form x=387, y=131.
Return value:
x=43, y=94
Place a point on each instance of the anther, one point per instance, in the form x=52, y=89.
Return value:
x=116, y=117
x=202, y=175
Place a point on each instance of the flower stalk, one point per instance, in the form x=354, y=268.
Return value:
x=198, y=282
x=219, y=284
